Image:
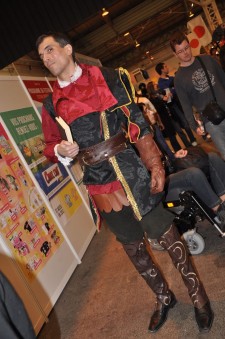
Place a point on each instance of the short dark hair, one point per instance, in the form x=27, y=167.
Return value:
x=176, y=39
x=61, y=38
x=142, y=85
x=159, y=67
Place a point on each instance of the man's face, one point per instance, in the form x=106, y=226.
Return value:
x=183, y=52
x=165, y=69
x=54, y=57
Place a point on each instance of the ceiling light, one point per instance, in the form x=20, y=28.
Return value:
x=126, y=34
x=190, y=14
x=104, y=12
x=137, y=44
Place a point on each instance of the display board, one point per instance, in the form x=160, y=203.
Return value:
x=70, y=203
x=30, y=233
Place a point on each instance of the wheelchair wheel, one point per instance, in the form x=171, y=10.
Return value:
x=195, y=242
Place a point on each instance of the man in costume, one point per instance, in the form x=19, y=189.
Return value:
x=98, y=105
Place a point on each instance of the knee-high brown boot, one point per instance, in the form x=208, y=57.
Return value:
x=177, y=250
x=165, y=299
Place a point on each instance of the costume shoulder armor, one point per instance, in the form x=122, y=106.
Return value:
x=125, y=78
x=112, y=75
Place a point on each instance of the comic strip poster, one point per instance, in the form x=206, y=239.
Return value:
x=66, y=202
x=26, y=225
x=25, y=128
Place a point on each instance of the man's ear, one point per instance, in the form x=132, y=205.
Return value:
x=68, y=49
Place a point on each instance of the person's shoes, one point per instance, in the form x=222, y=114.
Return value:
x=221, y=215
x=160, y=314
x=154, y=244
x=204, y=317
x=194, y=143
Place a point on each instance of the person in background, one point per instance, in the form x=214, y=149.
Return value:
x=140, y=99
x=222, y=57
x=98, y=105
x=207, y=183
x=193, y=90
x=154, y=121
x=218, y=35
x=166, y=82
x=143, y=88
x=159, y=99
x=215, y=54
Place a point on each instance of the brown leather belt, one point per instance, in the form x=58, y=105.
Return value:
x=102, y=151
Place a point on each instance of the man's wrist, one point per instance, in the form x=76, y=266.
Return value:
x=64, y=160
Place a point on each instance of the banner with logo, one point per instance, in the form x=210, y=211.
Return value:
x=199, y=32
x=38, y=90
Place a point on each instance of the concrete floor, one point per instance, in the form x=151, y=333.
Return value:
x=106, y=298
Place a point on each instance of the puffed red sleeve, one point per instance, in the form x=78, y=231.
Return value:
x=51, y=135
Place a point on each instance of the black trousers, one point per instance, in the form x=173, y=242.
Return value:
x=14, y=321
x=128, y=229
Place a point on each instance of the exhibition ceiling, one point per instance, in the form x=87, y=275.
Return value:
x=133, y=30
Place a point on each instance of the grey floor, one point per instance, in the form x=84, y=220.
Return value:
x=106, y=298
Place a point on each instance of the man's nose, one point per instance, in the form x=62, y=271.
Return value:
x=45, y=57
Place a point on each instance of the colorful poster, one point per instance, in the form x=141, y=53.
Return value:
x=25, y=128
x=26, y=224
x=66, y=202
x=38, y=90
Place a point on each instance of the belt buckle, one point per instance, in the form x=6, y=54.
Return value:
x=84, y=161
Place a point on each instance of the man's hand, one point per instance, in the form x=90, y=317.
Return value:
x=151, y=158
x=181, y=153
x=68, y=149
x=157, y=180
x=199, y=131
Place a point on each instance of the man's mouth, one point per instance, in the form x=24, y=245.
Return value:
x=49, y=65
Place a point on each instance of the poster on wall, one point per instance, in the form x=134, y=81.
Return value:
x=25, y=128
x=26, y=224
x=38, y=90
x=66, y=202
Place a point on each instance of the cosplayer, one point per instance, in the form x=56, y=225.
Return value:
x=126, y=190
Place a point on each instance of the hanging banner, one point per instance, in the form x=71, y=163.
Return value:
x=26, y=224
x=194, y=43
x=199, y=28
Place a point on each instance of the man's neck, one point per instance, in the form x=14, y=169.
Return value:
x=187, y=63
x=72, y=77
x=68, y=73
x=164, y=76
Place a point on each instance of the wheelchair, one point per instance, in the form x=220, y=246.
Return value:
x=189, y=210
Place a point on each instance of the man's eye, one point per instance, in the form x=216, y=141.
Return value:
x=50, y=49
